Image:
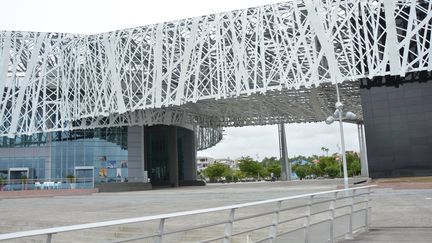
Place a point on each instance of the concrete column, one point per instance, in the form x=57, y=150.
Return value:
x=286, y=166
x=135, y=153
x=173, y=156
x=48, y=160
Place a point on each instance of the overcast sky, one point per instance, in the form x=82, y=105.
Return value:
x=302, y=139
x=95, y=16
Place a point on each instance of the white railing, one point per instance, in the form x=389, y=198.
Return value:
x=341, y=212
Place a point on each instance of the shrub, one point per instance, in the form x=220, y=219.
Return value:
x=215, y=171
x=71, y=178
x=332, y=170
x=250, y=167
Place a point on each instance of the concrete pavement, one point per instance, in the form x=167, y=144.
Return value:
x=400, y=209
x=399, y=215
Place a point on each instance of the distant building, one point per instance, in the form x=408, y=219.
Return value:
x=203, y=162
x=232, y=164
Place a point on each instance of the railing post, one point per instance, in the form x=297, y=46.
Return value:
x=229, y=227
x=308, y=219
x=367, y=210
x=273, y=228
x=49, y=237
x=349, y=235
x=332, y=216
x=158, y=238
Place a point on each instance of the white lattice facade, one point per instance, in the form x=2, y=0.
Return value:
x=256, y=66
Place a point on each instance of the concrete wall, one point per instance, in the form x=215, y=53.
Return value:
x=398, y=127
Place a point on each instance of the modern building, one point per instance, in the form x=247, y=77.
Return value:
x=397, y=116
x=232, y=164
x=112, y=154
x=137, y=103
x=203, y=162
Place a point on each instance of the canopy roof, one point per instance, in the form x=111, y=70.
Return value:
x=256, y=66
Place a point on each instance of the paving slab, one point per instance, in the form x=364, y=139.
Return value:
x=394, y=234
x=392, y=210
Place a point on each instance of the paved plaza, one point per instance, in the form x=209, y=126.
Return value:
x=390, y=208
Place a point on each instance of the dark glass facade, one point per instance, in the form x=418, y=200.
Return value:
x=398, y=125
x=158, y=155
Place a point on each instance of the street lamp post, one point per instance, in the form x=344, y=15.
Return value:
x=340, y=116
x=339, y=160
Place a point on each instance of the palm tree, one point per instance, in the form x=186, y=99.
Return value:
x=326, y=150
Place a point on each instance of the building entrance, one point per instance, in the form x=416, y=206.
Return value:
x=18, y=173
x=84, y=176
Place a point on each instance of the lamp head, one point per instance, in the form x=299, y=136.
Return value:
x=336, y=113
x=329, y=120
x=350, y=116
x=339, y=105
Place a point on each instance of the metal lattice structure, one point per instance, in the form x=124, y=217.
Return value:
x=255, y=66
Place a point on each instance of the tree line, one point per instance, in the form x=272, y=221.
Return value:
x=270, y=168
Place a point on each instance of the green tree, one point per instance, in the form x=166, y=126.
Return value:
x=354, y=168
x=267, y=162
x=301, y=171
x=353, y=164
x=250, y=167
x=215, y=171
x=275, y=169
x=325, y=162
x=326, y=150
x=332, y=170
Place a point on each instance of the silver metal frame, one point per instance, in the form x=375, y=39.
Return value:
x=332, y=198
x=263, y=65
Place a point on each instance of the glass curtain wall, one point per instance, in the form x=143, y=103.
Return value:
x=57, y=154
x=105, y=149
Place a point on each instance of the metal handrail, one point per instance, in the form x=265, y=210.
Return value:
x=228, y=229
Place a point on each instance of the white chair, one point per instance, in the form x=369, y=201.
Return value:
x=38, y=185
x=50, y=184
x=57, y=185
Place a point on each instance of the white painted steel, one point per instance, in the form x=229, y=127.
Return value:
x=263, y=65
x=229, y=223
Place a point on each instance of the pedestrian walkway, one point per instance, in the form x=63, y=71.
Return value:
x=393, y=210
x=401, y=212
x=45, y=193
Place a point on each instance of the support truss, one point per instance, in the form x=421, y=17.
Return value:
x=255, y=66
